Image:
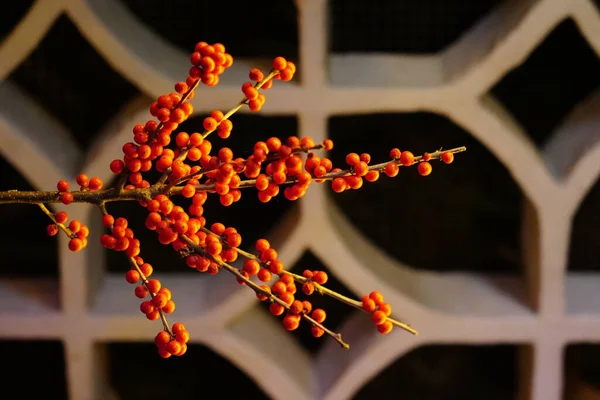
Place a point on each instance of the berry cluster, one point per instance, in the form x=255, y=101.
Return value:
x=77, y=231
x=190, y=167
x=121, y=237
x=380, y=311
x=285, y=289
x=174, y=343
x=85, y=184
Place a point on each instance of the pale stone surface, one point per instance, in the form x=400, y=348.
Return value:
x=456, y=308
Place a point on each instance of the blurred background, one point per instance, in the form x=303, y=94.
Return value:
x=482, y=255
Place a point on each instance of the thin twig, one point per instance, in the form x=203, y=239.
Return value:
x=319, y=288
x=143, y=277
x=63, y=227
x=124, y=175
x=207, y=132
x=258, y=290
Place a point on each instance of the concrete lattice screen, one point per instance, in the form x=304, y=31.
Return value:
x=493, y=258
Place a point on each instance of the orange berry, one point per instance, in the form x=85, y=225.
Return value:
x=276, y=309
x=291, y=322
x=52, y=229
x=160, y=300
x=287, y=74
x=209, y=124
x=391, y=169
x=82, y=180
x=267, y=85
x=166, y=292
x=379, y=317
x=307, y=306
x=386, y=308
x=407, y=158
x=234, y=239
x=178, y=327
x=76, y=244
x=224, y=129
x=264, y=275
x=163, y=352
x=162, y=338
x=368, y=304
x=75, y=226
x=252, y=267
x=182, y=350
x=62, y=185
x=296, y=307
x=276, y=266
x=352, y=159
x=153, y=285
x=146, y=307
x=217, y=228
x=141, y=292
x=256, y=75
x=361, y=168
x=254, y=105
x=372, y=176
x=173, y=347
x=424, y=168
x=318, y=315
x=95, y=183
x=385, y=328
x=181, y=87
x=287, y=279
x=169, y=307
x=316, y=331
x=279, y=63
x=262, y=182
x=287, y=298
x=338, y=185
x=132, y=276
x=320, y=277
x=66, y=198
x=217, y=115
x=376, y=297
x=61, y=217
x=182, y=337
x=188, y=191
x=262, y=245
x=269, y=255
x=308, y=288
x=447, y=157
x=279, y=288
x=146, y=269
x=261, y=296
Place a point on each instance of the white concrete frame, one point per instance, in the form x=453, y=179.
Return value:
x=451, y=308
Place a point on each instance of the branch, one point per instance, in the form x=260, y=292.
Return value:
x=207, y=132
x=144, y=279
x=146, y=194
x=63, y=227
x=96, y=197
x=125, y=174
x=319, y=288
x=258, y=290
